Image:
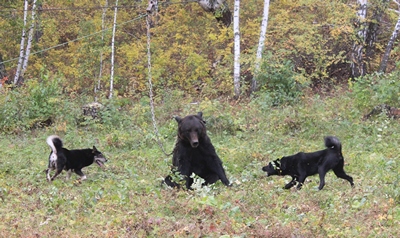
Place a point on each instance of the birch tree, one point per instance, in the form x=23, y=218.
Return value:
x=357, y=65
x=103, y=16
x=112, y=50
x=30, y=39
x=22, y=46
x=261, y=42
x=236, y=69
x=383, y=65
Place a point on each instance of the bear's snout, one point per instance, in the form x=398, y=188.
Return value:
x=195, y=144
x=194, y=139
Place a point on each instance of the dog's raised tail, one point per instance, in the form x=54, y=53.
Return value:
x=332, y=142
x=55, y=143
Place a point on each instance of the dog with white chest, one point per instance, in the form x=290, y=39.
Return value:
x=61, y=159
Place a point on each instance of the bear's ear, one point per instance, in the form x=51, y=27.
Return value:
x=200, y=116
x=178, y=119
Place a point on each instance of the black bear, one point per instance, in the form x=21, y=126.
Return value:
x=194, y=153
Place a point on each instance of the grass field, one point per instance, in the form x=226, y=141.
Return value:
x=127, y=198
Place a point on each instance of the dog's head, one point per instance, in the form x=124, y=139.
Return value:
x=98, y=157
x=273, y=168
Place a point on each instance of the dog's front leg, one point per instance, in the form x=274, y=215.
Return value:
x=291, y=183
x=301, y=180
x=80, y=173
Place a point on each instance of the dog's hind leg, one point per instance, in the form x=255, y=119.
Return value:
x=48, y=174
x=69, y=172
x=51, y=166
x=339, y=172
x=321, y=181
x=58, y=171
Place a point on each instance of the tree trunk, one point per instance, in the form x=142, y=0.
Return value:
x=112, y=50
x=373, y=28
x=364, y=48
x=22, y=46
x=261, y=43
x=383, y=65
x=3, y=73
x=97, y=87
x=357, y=65
x=236, y=69
x=30, y=39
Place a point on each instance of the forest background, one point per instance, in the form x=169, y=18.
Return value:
x=324, y=67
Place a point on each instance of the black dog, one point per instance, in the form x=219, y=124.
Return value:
x=194, y=153
x=70, y=160
x=302, y=165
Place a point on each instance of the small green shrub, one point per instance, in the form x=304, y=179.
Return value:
x=30, y=106
x=375, y=89
x=278, y=81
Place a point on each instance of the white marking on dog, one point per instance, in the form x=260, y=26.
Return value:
x=53, y=157
x=48, y=175
x=49, y=141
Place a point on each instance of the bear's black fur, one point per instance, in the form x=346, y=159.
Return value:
x=194, y=153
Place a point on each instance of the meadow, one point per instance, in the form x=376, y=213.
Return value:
x=127, y=198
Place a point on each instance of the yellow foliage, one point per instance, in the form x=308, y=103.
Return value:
x=189, y=49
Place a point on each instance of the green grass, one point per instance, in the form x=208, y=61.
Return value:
x=127, y=198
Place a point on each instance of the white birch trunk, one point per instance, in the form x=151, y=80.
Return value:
x=362, y=15
x=29, y=43
x=357, y=65
x=236, y=68
x=383, y=65
x=112, y=50
x=22, y=46
x=97, y=87
x=261, y=43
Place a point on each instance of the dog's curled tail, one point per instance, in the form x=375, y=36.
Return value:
x=332, y=142
x=55, y=143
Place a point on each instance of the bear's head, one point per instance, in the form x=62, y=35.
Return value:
x=192, y=129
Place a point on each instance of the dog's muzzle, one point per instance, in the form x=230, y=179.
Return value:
x=100, y=161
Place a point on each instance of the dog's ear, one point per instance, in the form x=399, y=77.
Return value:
x=94, y=149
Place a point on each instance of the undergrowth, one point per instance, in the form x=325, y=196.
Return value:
x=128, y=199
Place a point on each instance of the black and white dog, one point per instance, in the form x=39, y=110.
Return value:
x=70, y=160
x=302, y=165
